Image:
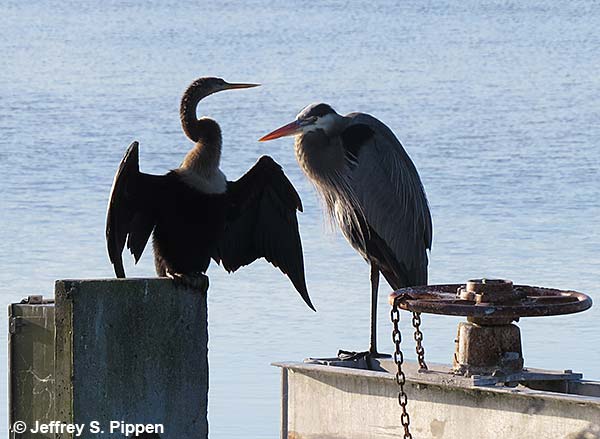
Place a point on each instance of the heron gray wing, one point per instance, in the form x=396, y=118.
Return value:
x=390, y=194
x=131, y=214
x=262, y=222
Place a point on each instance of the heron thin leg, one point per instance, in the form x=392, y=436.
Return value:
x=369, y=356
x=374, y=290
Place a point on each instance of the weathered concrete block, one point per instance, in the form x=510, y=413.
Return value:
x=131, y=350
x=31, y=363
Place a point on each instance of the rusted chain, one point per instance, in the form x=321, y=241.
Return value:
x=400, y=376
x=416, y=321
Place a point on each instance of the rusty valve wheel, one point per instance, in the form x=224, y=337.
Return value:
x=490, y=300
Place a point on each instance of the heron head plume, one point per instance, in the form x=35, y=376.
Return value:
x=311, y=118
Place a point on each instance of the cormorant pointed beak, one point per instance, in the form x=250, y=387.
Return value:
x=229, y=86
x=287, y=130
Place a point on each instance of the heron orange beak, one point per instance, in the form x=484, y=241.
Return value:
x=229, y=86
x=287, y=130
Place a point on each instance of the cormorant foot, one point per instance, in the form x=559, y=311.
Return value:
x=188, y=281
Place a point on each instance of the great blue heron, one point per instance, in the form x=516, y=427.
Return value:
x=372, y=188
x=196, y=214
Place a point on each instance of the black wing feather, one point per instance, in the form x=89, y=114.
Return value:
x=262, y=222
x=131, y=213
x=140, y=229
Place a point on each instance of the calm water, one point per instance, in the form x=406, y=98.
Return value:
x=496, y=104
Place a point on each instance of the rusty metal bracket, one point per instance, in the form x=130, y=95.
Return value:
x=36, y=299
x=14, y=324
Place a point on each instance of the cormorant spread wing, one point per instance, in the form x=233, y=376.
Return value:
x=262, y=222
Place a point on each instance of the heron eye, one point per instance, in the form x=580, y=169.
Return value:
x=307, y=120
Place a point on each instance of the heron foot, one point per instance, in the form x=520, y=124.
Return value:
x=353, y=356
x=360, y=360
x=194, y=281
x=368, y=359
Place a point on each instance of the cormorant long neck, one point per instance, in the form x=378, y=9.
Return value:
x=204, y=132
x=194, y=128
x=206, y=154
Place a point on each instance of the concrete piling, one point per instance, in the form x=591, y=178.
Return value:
x=130, y=352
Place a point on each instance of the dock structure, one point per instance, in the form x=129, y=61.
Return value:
x=109, y=354
x=485, y=394
x=345, y=401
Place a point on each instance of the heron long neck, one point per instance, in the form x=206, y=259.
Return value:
x=321, y=157
x=204, y=132
x=322, y=160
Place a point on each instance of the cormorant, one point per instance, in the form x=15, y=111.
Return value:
x=195, y=214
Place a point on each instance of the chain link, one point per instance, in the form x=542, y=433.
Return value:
x=416, y=321
x=400, y=377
